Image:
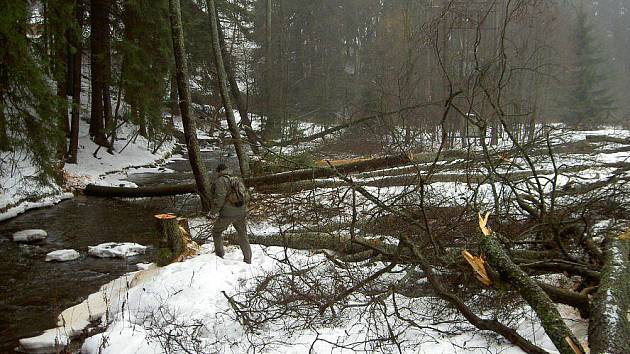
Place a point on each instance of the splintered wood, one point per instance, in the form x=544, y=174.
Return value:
x=478, y=265
x=483, y=224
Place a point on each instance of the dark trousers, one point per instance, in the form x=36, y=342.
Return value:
x=221, y=225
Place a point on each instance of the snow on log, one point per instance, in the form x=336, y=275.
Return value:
x=609, y=327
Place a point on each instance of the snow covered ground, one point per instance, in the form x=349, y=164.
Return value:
x=184, y=307
x=21, y=191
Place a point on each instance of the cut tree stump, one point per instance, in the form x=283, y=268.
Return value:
x=174, y=243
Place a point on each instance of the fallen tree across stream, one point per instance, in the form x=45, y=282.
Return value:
x=272, y=179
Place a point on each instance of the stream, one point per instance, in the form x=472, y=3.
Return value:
x=33, y=292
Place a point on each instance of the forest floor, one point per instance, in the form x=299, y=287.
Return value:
x=193, y=306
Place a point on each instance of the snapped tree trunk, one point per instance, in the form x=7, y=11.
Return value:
x=545, y=309
x=190, y=126
x=243, y=159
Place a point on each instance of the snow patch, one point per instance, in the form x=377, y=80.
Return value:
x=31, y=235
x=116, y=250
x=62, y=255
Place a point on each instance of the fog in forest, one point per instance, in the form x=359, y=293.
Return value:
x=299, y=176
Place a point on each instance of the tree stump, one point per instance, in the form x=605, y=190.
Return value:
x=174, y=243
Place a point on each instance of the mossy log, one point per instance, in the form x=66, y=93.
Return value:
x=533, y=294
x=173, y=243
x=609, y=328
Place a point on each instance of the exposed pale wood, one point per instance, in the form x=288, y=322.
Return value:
x=174, y=243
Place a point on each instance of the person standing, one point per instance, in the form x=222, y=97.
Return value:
x=229, y=201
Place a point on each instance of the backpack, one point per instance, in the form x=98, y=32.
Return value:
x=237, y=193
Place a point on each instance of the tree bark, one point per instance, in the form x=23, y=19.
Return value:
x=173, y=96
x=190, y=126
x=271, y=127
x=76, y=62
x=99, y=25
x=100, y=119
x=4, y=139
x=609, y=327
x=243, y=159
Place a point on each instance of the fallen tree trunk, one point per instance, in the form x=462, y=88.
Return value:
x=409, y=179
x=320, y=240
x=609, y=327
x=277, y=178
x=537, y=298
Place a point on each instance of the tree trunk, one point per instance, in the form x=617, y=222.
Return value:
x=246, y=123
x=173, y=96
x=609, y=328
x=4, y=139
x=271, y=127
x=243, y=159
x=190, y=126
x=76, y=62
x=99, y=24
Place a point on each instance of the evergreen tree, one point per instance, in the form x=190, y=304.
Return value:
x=146, y=53
x=28, y=106
x=588, y=100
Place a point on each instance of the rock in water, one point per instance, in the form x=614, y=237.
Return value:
x=62, y=255
x=31, y=235
x=116, y=250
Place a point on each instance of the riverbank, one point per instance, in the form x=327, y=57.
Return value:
x=21, y=190
x=193, y=306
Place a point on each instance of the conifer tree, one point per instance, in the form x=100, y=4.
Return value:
x=29, y=120
x=588, y=100
x=145, y=50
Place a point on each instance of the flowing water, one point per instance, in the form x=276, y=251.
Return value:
x=33, y=292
